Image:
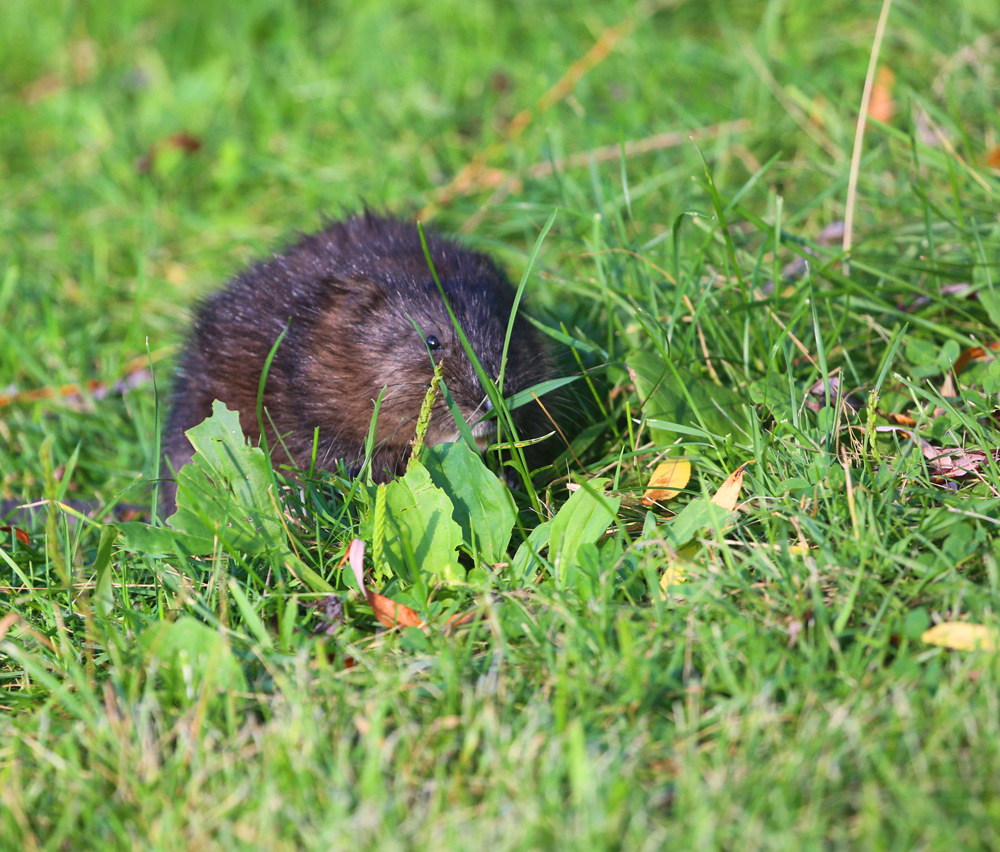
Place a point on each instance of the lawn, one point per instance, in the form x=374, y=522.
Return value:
x=670, y=180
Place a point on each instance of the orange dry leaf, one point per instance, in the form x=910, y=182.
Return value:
x=729, y=491
x=880, y=106
x=388, y=612
x=667, y=481
x=392, y=614
x=460, y=619
x=22, y=536
x=971, y=354
x=72, y=393
x=993, y=158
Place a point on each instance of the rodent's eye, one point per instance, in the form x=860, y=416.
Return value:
x=433, y=343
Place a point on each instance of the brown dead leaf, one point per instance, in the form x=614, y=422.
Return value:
x=880, y=107
x=851, y=401
x=12, y=618
x=73, y=393
x=182, y=141
x=729, y=492
x=459, y=619
x=947, y=461
x=41, y=88
x=667, y=481
x=993, y=158
x=948, y=385
x=332, y=616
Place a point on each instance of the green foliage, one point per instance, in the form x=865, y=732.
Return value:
x=482, y=505
x=223, y=496
x=580, y=521
x=218, y=683
x=423, y=533
x=193, y=659
x=677, y=402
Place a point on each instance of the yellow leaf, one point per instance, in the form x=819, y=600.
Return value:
x=667, y=481
x=675, y=573
x=729, y=491
x=963, y=636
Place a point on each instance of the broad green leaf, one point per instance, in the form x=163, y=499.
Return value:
x=583, y=519
x=774, y=394
x=137, y=537
x=192, y=657
x=422, y=531
x=526, y=559
x=224, y=494
x=700, y=514
x=483, y=506
x=989, y=298
x=227, y=484
x=673, y=395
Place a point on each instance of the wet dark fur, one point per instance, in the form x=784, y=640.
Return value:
x=347, y=295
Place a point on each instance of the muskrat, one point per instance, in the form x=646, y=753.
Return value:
x=352, y=297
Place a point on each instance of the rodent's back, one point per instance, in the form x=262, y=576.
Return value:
x=350, y=296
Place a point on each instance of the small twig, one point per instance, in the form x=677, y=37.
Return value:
x=859, y=133
x=582, y=159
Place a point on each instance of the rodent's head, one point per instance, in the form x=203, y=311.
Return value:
x=385, y=317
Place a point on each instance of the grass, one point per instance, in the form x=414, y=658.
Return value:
x=778, y=694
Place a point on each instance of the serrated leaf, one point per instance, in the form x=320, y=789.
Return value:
x=422, y=530
x=137, y=537
x=483, y=506
x=223, y=493
x=225, y=489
